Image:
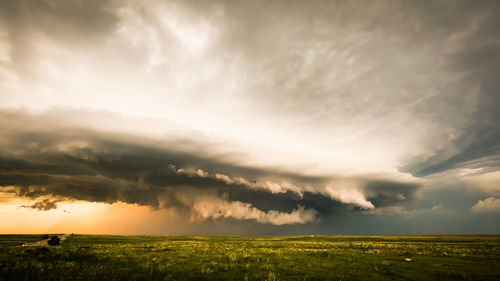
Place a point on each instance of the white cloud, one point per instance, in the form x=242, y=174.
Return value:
x=214, y=208
x=224, y=178
x=349, y=196
x=271, y=186
x=346, y=195
x=488, y=205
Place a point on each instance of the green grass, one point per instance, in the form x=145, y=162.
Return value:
x=86, y=257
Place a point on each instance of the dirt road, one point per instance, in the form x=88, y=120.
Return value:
x=44, y=242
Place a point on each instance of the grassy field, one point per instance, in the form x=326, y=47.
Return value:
x=84, y=257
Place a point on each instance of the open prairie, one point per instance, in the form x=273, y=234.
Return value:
x=105, y=257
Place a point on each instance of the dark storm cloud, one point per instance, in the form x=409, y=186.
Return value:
x=43, y=205
x=479, y=146
x=43, y=158
x=286, y=202
x=408, y=81
x=385, y=193
x=478, y=59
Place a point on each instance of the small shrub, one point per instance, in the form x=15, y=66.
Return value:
x=54, y=240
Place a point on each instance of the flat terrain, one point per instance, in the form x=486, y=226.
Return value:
x=86, y=257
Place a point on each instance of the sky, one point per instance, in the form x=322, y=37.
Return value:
x=249, y=117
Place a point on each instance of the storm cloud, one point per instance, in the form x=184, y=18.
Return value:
x=477, y=59
x=42, y=205
x=281, y=114
x=83, y=164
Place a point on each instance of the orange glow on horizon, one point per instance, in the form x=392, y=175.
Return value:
x=81, y=217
